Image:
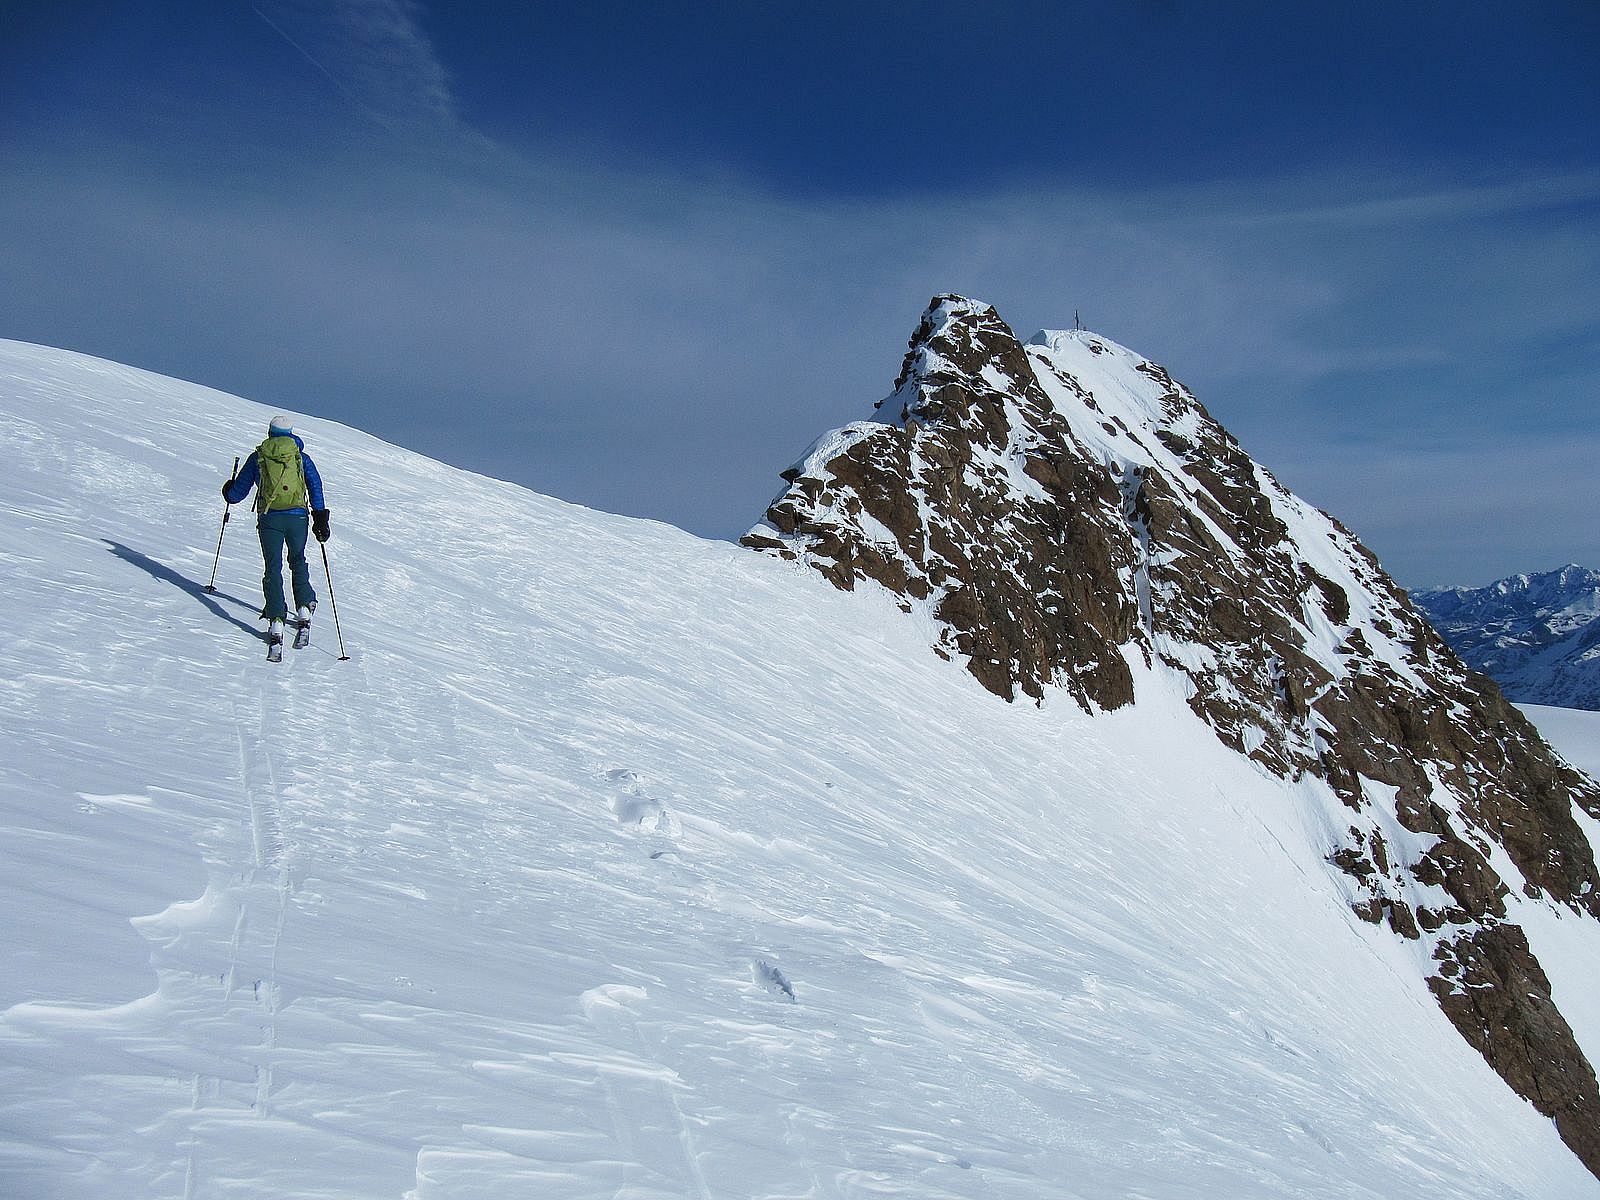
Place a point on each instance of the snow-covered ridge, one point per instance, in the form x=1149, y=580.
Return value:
x=621, y=863
x=1094, y=359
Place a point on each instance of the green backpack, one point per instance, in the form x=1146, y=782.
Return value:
x=283, y=476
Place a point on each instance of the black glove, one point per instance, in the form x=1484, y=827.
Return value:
x=226, y=488
x=319, y=524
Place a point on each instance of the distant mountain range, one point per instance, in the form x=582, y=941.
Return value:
x=1537, y=636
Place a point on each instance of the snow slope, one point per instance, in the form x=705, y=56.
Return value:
x=1574, y=732
x=622, y=864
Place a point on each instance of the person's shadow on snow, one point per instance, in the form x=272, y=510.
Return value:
x=167, y=575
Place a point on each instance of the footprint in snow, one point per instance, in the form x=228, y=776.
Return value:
x=635, y=808
x=1316, y=1136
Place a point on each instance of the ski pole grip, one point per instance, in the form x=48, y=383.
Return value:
x=227, y=507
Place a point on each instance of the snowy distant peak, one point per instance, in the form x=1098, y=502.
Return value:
x=1072, y=520
x=1538, y=636
x=1568, y=585
x=1562, y=579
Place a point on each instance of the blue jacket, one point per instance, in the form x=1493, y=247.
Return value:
x=251, y=472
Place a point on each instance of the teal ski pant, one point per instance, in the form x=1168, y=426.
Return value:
x=280, y=531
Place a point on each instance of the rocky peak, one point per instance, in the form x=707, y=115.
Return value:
x=969, y=504
x=1074, y=521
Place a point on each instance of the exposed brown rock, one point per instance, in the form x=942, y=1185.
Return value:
x=1016, y=580
x=1497, y=995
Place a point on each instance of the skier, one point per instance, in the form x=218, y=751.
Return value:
x=288, y=484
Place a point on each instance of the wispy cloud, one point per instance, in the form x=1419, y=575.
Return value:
x=662, y=342
x=1388, y=202
x=374, y=53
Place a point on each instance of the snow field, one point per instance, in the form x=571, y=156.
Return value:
x=1572, y=731
x=621, y=864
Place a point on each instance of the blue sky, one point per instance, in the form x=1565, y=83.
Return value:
x=639, y=256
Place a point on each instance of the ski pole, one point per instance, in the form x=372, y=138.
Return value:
x=227, y=509
x=343, y=657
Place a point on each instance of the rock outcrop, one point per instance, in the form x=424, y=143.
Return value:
x=1074, y=520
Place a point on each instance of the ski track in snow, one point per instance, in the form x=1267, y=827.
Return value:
x=619, y=864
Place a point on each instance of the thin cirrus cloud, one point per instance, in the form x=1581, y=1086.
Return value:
x=1504, y=198
x=374, y=52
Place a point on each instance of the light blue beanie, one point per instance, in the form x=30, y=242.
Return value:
x=280, y=427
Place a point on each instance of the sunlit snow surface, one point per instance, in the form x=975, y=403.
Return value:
x=621, y=864
x=1572, y=731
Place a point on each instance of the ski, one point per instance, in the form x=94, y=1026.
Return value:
x=275, y=641
x=302, y=635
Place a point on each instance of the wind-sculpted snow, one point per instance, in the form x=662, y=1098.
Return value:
x=1066, y=517
x=621, y=864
